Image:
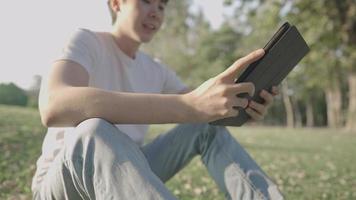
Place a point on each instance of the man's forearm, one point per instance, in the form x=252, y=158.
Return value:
x=71, y=105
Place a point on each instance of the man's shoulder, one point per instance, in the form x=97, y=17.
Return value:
x=84, y=34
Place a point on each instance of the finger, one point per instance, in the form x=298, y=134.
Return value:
x=253, y=114
x=241, y=64
x=260, y=108
x=275, y=91
x=241, y=102
x=267, y=97
x=233, y=113
x=239, y=88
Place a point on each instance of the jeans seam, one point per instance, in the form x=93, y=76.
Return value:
x=70, y=165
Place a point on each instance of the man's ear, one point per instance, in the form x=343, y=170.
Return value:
x=115, y=5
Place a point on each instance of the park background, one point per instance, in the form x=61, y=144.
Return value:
x=307, y=141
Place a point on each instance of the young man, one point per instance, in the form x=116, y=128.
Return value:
x=103, y=91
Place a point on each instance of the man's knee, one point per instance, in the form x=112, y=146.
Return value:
x=208, y=129
x=93, y=127
x=95, y=136
x=205, y=134
x=83, y=138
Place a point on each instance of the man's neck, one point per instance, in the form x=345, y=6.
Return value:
x=126, y=44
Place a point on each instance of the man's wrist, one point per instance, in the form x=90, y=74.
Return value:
x=190, y=113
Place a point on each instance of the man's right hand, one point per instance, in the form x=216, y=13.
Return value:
x=216, y=98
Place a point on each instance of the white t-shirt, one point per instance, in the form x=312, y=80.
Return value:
x=110, y=69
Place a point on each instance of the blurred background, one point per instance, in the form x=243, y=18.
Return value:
x=306, y=142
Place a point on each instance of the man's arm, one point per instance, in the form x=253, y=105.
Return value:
x=69, y=100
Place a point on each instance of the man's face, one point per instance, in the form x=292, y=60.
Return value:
x=140, y=19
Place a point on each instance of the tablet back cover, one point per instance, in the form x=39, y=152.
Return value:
x=271, y=69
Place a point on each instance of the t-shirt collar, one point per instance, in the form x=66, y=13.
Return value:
x=127, y=59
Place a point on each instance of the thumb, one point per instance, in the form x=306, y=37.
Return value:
x=241, y=64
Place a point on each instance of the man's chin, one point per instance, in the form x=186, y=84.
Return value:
x=146, y=39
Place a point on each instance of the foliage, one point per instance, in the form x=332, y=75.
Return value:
x=34, y=91
x=33, y=101
x=329, y=28
x=214, y=53
x=319, y=32
x=10, y=94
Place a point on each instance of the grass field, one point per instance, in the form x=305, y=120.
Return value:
x=306, y=163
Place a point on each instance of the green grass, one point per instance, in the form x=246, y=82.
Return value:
x=306, y=163
x=21, y=137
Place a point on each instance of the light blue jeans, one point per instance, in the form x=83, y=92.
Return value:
x=99, y=161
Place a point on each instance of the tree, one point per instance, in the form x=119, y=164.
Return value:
x=34, y=91
x=214, y=52
x=10, y=94
x=343, y=15
x=330, y=28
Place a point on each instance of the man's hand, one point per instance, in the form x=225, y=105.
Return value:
x=216, y=98
x=258, y=111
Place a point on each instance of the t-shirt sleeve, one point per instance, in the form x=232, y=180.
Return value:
x=172, y=83
x=81, y=48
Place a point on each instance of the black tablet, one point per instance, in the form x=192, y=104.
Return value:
x=282, y=53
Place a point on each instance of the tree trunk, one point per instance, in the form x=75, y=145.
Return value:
x=309, y=112
x=333, y=102
x=298, y=114
x=288, y=105
x=351, y=115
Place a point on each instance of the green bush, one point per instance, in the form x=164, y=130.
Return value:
x=10, y=94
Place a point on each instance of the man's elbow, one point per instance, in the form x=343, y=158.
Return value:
x=47, y=117
x=57, y=117
x=49, y=111
x=49, y=114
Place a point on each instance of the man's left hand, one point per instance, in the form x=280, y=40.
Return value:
x=258, y=111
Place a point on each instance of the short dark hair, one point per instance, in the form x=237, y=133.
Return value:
x=113, y=13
